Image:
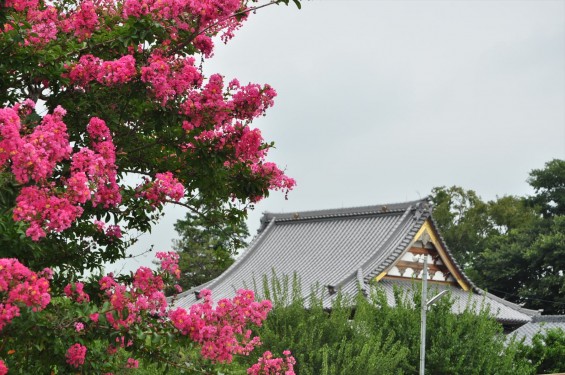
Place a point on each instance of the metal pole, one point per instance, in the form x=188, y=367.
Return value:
x=423, y=316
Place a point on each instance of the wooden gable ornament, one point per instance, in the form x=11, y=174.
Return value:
x=410, y=264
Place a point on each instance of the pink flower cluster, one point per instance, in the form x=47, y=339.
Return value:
x=211, y=106
x=79, y=326
x=76, y=355
x=35, y=156
x=221, y=331
x=200, y=20
x=76, y=292
x=212, y=15
x=268, y=365
x=3, y=368
x=216, y=123
x=21, y=5
x=169, y=262
x=132, y=363
x=164, y=187
x=98, y=166
x=44, y=210
x=90, y=68
x=128, y=303
x=47, y=21
x=170, y=77
x=112, y=230
x=20, y=286
x=82, y=22
x=277, y=179
x=252, y=100
x=44, y=25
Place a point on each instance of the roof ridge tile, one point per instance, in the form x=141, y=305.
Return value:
x=342, y=212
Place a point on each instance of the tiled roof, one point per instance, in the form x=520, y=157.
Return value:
x=538, y=324
x=337, y=249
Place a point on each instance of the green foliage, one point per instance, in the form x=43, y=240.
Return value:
x=549, y=185
x=367, y=335
x=326, y=342
x=463, y=221
x=512, y=246
x=547, y=351
x=207, y=246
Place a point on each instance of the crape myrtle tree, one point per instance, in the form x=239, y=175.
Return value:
x=106, y=116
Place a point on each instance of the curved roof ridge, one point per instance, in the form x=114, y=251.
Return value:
x=250, y=249
x=340, y=212
x=377, y=253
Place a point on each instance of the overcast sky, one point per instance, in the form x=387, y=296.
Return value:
x=380, y=101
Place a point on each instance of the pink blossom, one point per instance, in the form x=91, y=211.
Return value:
x=267, y=365
x=170, y=78
x=44, y=25
x=79, y=326
x=109, y=73
x=21, y=5
x=204, y=44
x=220, y=331
x=19, y=285
x=114, y=231
x=99, y=225
x=118, y=71
x=3, y=368
x=44, y=211
x=169, y=262
x=76, y=292
x=76, y=355
x=165, y=186
x=85, y=71
x=132, y=363
x=84, y=21
x=98, y=130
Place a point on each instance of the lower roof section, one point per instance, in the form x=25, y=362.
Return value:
x=539, y=324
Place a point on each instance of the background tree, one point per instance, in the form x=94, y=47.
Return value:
x=512, y=246
x=207, y=248
x=549, y=187
x=463, y=220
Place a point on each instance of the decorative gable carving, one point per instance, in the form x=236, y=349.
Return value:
x=410, y=264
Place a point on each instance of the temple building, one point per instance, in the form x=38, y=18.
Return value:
x=356, y=248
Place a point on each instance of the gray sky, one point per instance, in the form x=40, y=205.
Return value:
x=380, y=101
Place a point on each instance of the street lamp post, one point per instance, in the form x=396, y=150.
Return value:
x=424, y=309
